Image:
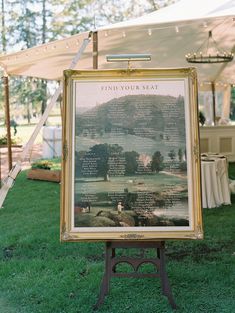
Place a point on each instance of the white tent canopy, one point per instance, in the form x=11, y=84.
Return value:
x=167, y=34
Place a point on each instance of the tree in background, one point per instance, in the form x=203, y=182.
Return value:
x=26, y=23
x=3, y=29
x=43, y=82
x=23, y=22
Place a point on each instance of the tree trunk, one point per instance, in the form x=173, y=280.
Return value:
x=4, y=43
x=44, y=96
x=28, y=114
x=44, y=82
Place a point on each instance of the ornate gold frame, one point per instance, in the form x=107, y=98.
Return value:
x=68, y=233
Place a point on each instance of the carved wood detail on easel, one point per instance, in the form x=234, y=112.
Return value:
x=112, y=260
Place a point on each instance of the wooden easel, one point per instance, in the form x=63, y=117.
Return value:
x=111, y=261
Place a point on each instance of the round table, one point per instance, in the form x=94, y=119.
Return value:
x=215, y=182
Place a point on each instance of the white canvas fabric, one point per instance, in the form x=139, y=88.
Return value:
x=167, y=34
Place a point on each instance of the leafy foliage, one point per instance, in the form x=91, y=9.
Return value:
x=3, y=140
x=27, y=23
x=131, y=163
x=157, y=162
x=172, y=154
x=46, y=164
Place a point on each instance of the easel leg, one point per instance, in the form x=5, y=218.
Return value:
x=105, y=286
x=113, y=256
x=166, y=289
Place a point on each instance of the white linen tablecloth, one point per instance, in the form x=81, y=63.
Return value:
x=215, y=182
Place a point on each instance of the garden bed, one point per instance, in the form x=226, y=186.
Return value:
x=42, y=174
x=45, y=170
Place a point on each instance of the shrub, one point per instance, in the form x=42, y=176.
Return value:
x=53, y=164
x=42, y=164
x=3, y=140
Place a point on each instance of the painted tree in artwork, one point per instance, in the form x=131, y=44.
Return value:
x=180, y=155
x=157, y=162
x=131, y=160
x=172, y=155
x=101, y=154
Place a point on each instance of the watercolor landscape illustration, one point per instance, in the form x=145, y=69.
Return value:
x=130, y=160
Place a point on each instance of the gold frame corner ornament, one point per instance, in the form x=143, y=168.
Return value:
x=199, y=232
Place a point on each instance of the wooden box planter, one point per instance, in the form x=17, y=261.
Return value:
x=42, y=174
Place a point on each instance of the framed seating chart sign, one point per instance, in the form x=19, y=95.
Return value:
x=131, y=166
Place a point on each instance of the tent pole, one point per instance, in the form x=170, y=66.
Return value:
x=0, y=170
x=95, y=49
x=9, y=181
x=213, y=101
x=7, y=118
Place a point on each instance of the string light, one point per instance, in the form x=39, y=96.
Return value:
x=149, y=32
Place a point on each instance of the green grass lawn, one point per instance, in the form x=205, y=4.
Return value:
x=40, y=274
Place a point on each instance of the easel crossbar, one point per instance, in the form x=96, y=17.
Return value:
x=135, y=262
x=136, y=275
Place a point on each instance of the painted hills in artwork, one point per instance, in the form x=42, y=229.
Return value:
x=137, y=115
